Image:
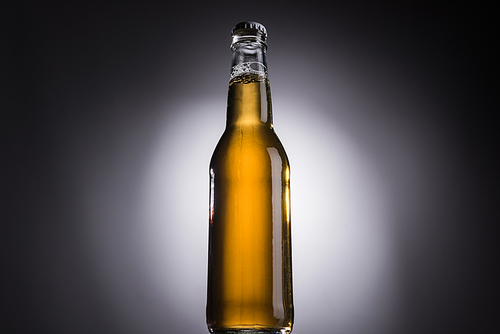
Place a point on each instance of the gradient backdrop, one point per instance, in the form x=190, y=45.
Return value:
x=110, y=113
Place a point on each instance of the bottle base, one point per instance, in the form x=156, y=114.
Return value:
x=251, y=331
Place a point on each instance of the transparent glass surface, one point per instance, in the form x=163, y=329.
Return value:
x=249, y=274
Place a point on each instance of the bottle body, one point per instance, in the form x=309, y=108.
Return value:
x=249, y=274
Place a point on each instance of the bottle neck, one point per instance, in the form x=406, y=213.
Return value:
x=249, y=97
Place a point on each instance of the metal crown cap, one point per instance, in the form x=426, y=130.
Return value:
x=250, y=25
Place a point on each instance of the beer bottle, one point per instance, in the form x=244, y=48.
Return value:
x=249, y=257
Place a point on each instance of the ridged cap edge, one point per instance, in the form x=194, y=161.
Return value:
x=249, y=25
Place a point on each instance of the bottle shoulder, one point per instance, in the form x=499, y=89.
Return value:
x=251, y=142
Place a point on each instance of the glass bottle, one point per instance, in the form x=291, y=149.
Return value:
x=249, y=258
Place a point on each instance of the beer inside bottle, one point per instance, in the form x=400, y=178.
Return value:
x=249, y=269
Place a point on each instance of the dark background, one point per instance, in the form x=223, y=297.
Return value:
x=93, y=92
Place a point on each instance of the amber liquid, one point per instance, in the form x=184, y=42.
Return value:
x=249, y=274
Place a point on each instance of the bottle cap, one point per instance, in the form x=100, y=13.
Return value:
x=249, y=25
x=249, y=31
